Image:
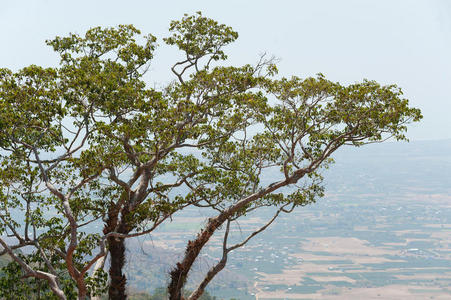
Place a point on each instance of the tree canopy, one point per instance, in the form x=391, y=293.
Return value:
x=91, y=142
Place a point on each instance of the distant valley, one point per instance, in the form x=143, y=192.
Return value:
x=383, y=231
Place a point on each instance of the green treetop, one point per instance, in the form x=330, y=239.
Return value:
x=90, y=142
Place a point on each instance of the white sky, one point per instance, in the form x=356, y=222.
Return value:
x=392, y=41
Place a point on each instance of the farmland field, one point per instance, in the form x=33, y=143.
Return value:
x=383, y=231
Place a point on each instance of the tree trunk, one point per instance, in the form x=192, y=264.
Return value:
x=180, y=272
x=116, y=249
x=118, y=280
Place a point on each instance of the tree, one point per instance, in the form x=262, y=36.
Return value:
x=89, y=142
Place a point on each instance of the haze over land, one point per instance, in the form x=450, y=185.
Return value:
x=383, y=230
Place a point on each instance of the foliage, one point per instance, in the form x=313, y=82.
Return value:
x=89, y=142
x=15, y=284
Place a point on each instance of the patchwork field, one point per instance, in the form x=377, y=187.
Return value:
x=333, y=250
x=356, y=264
x=383, y=231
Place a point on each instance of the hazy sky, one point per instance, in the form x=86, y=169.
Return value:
x=391, y=41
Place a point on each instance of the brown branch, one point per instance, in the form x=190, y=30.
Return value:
x=226, y=250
